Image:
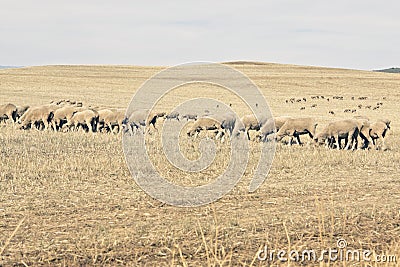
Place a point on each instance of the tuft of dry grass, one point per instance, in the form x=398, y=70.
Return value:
x=68, y=198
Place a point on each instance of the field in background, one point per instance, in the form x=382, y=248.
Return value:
x=69, y=199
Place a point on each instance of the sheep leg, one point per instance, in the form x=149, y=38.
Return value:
x=46, y=125
x=290, y=141
x=383, y=146
x=298, y=140
x=223, y=138
x=54, y=124
x=90, y=126
x=248, y=135
x=218, y=135
x=327, y=143
x=370, y=141
x=354, y=143
x=337, y=143
x=37, y=125
x=374, y=141
x=347, y=143
x=110, y=128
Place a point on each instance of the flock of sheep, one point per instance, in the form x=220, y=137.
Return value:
x=66, y=115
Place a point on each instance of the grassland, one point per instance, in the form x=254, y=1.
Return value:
x=69, y=199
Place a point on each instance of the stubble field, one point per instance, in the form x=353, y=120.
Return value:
x=69, y=199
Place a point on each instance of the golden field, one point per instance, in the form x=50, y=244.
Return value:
x=68, y=198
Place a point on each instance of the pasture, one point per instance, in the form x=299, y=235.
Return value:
x=68, y=198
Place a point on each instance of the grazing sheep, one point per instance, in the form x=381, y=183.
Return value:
x=153, y=117
x=63, y=115
x=39, y=117
x=249, y=122
x=378, y=131
x=87, y=119
x=173, y=116
x=189, y=117
x=8, y=112
x=267, y=129
x=227, y=120
x=338, y=130
x=103, y=113
x=206, y=124
x=114, y=119
x=141, y=118
x=323, y=137
x=21, y=111
x=364, y=128
x=137, y=120
x=60, y=103
x=271, y=126
x=294, y=127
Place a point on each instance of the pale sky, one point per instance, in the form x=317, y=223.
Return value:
x=360, y=34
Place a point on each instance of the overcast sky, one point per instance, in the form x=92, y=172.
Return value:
x=359, y=34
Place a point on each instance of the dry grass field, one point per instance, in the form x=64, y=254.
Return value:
x=68, y=199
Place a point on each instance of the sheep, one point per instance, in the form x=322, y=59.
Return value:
x=190, y=116
x=137, y=120
x=8, y=112
x=250, y=122
x=294, y=127
x=206, y=124
x=103, y=113
x=364, y=129
x=338, y=130
x=63, y=115
x=38, y=116
x=173, y=116
x=378, y=130
x=21, y=111
x=323, y=136
x=227, y=120
x=153, y=117
x=113, y=119
x=143, y=118
x=270, y=127
x=87, y=119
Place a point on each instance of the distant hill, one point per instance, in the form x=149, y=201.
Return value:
x=10, y=67
x=390, y=70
